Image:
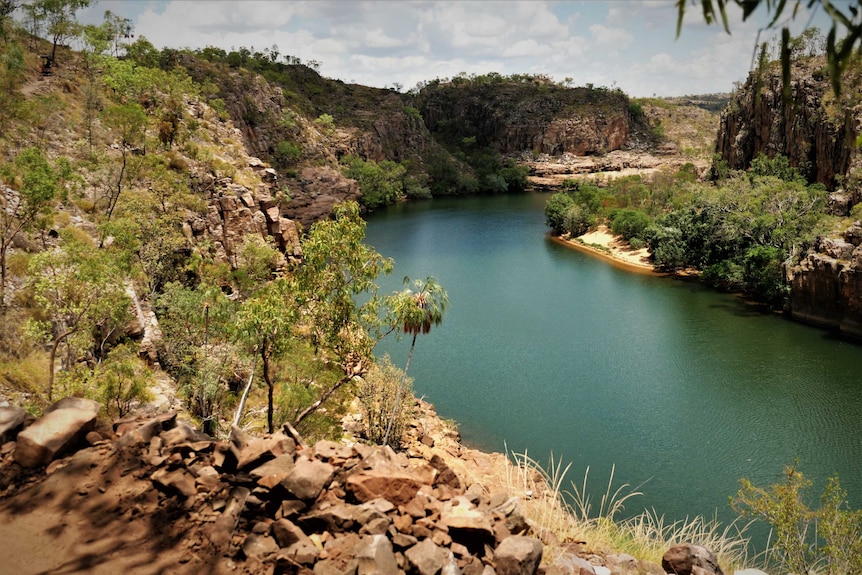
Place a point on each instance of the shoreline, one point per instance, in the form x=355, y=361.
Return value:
x=627, y=260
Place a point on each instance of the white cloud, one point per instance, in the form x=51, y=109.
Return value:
x=380, y=42
x=613, y=38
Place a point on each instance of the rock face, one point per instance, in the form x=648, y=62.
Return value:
x=512, y=117
x=814, y=131
x=234, y=212
x=826, y=286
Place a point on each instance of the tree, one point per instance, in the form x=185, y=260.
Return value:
x=555, y=211
x=130, y=123
x=60, y=18
x=338, y=270
x=264, y=323
x=77, y=290
x=839, y=50
x=37, y=183
x=416, y=310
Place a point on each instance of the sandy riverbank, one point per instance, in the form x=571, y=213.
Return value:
x=618, y=250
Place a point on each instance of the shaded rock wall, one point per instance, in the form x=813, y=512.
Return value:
x=816, y=132
x=826, y=286
x=513, y=117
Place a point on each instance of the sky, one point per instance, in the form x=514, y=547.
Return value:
x=626, y=44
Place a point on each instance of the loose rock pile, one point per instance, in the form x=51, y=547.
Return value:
x=273, y=505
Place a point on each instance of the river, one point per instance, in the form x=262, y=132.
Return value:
x=548, y=350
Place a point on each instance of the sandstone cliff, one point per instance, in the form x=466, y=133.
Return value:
x=514, y=117
x=814, y=130
x=826, y=286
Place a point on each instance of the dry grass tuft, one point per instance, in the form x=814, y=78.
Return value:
x=562, y=518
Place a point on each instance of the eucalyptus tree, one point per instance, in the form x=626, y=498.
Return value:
x=416, y=310
x=265, y=323
x=59, y=15
x=77, y=290
x=32, y=185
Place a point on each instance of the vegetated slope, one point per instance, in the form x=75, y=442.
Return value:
x=817, y=131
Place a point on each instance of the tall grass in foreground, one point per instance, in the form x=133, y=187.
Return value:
x=563, y=517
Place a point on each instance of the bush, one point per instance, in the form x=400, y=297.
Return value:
x=629, y=223
x=577, y=220
x=377, y=397
x=829, y=538
x=286, y=153
x=555, y=211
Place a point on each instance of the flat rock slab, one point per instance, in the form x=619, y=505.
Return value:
x=52, y=435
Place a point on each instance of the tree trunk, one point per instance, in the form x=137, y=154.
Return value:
x=313, y=407
x=398, y=393
x=3, y=278
x=238, y=415
x=265, y=352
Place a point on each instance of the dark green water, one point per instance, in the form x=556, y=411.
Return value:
x=550, y=350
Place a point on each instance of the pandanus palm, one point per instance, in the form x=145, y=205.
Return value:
x=416, y=310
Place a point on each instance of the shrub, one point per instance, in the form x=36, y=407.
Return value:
x=377, y=397
x=637, y=243
x=577, y=220
x=555, y=211
x=629, y=223
x=287, y=153
x=829, y=538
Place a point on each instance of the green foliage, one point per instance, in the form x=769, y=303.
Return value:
x=78, y=294
x=555, y=211
x=742, y=231
x=338, y=267
x=777, y=167
x=828, y=539
x=380, y=183
x=195, y=347
x=629, y=223
x=413, y=113
x=577, y=220
x=122, y=381
x=326, y=123
x=286, y=154
x=377, y=392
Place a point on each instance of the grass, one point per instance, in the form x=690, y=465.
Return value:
x=562, y=517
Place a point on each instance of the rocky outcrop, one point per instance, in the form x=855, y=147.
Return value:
x=322, y=187
x=816, y=132
x=234, y=211
x=513, y=117
x=826, y=286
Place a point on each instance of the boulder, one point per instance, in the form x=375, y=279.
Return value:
x=518, y=555
x=426, y=557
x=56, y=432
x=397, y=487
x=11, y=422
x=308, y=478
x=690, y=559
x=460, y=515
x=375, y=555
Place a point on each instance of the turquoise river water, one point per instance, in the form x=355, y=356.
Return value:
x=548, y=350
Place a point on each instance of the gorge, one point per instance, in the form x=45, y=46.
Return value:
x=548, y=350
